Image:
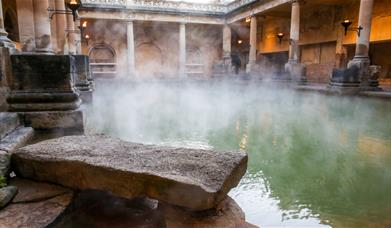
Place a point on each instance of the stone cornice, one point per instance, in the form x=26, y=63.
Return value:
x=169, y=6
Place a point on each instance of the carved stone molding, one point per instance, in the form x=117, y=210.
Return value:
x=170, y=6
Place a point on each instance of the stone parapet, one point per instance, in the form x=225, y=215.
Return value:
x=170, y=6
x=42, y=83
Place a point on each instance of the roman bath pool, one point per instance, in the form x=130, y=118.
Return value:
x=314, y=160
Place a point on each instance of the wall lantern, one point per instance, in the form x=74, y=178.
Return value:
x=240, y=41
x=347, y=23
x=72, y=5
x=280, y=35
x=248, y=19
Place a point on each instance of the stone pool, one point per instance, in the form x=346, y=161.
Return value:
x=314, y=160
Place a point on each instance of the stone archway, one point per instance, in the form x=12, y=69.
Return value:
x=149, y=60
x=102, y=60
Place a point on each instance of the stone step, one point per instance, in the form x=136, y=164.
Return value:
x=17, y=138
x=8, y=122
x=192, y=178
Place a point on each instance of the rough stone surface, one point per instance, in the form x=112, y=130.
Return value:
x=4, y=163
x=6, y=195
x=32, y=191
x=18, y=138
x=9, y=121
x=43, y=83
x=55, y=120
x=228, y=215
x=35, y=214
x=196, y=179
x=101, y=209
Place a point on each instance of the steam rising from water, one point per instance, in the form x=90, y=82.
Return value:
x=313, y=159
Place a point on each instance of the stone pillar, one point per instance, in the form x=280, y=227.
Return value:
x=182, y=49
x=78, y=35
x=227, y=41
x=71, y=35
x=130, y=50
x=61, y=24
x=26, y=24
x=361, y=58
x=340, y=51
x=295, y=70
x=294, y=33
x=4, y=41
x=53, y=28
x=6, y=49
x=227, y=61
x=252, y=58
x=42, y=27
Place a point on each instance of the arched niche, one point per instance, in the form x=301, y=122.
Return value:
x=149, y=60
x=102, y=60
x=102, y=53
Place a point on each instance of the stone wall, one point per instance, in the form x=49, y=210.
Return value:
x=156, y=46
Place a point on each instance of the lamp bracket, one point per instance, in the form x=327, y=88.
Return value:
x=53, y=12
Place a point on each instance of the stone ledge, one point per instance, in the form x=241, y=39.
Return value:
x=130, y=170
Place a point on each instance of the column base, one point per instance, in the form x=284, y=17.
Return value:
x=251, y=67
x=297, y=72
x=42, y=101
x=64, y=121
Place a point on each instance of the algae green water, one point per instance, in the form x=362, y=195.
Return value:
x=314, y=160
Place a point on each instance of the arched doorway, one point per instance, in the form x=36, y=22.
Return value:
x=103, y=61
x=149, y=60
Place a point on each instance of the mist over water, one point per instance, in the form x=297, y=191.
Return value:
x=314, y=160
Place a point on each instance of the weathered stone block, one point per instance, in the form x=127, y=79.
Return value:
x=191, y=178
x=55, y=120
x=42, y=82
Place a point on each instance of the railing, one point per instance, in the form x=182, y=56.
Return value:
x=161, y=5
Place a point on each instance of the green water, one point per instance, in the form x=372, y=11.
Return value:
x=314, y=160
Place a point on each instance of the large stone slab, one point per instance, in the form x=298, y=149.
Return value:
x=191, y=178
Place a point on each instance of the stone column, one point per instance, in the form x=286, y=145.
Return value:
x=26, y=24
x=6, y=49
x=227, y=41
x=361, y=57
x=294, y=69
x=42, y=27
x=71, y=35
x=227, y=48
x=252, y=58
x=78, y=36
x=53, y=28
x=4, y=41
x=340, y=51
x=61, y=24
x=182, y=49
x=294, y=33
x=130, y=50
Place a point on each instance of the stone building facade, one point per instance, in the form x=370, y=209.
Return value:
x=140, y=39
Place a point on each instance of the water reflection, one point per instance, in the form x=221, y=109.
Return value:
x=314, y=160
